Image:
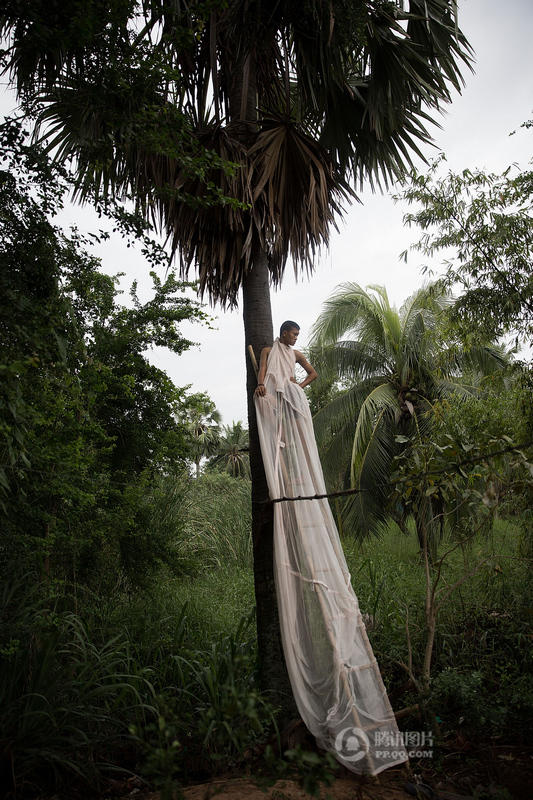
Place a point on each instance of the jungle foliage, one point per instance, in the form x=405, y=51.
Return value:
x=121, y=644
x=86, y=421
x=482, y=222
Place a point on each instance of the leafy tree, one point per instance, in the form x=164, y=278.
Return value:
x=398, y=364
x=496, y=419
x=139, y=405
x=85, y=420
x=483, y=221
x=471, y=466
x=306, y=99
x=232, y=451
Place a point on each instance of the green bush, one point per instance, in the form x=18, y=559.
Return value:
x=482, y=661
x=210, y=716
x=123, y=688
x=66, y=701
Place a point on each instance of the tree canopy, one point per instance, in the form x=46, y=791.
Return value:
x=483, y=223
x=152, y=100
x=85, y=419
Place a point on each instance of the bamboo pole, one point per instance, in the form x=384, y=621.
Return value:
x=253, y=359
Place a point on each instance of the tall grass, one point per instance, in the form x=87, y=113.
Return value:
x=483, y=662
x=161, y=680
x=66, y=700
x=80, y=700
x=83, y=693
x=218, y=525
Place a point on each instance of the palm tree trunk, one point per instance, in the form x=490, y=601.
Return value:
x=258, y=332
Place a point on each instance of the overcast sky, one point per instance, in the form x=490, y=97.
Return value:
x=475, y=131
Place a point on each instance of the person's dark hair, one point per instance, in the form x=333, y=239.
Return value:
x=288, y=325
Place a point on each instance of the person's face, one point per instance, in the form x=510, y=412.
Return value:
x=289, y=337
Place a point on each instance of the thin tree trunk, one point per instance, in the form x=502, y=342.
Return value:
x=425, y=532
x=259, y=333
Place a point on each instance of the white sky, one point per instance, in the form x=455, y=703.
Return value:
x=475, y=131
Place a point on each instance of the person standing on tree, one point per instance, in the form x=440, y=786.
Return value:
x=288, y=335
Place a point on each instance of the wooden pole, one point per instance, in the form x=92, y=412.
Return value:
x=253, y=359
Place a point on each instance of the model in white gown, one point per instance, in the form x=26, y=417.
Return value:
x=334, y=676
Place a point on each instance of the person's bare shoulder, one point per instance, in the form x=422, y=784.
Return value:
x=303, y=362
x=300, y=358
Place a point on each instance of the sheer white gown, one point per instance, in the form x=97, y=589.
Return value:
x=334, y=676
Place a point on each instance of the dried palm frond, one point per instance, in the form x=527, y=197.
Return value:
x=288, y=194
x=304, y=98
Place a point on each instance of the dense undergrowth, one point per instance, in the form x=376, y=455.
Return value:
x=158, y=679
x=482, y=662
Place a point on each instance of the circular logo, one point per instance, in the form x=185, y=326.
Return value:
x=352, y=744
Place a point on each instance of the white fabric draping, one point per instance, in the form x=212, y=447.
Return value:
x=334, y=676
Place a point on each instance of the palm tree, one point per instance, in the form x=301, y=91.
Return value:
x=306, y=99
x=396, y=364
x=232, y=451
x=203, y=427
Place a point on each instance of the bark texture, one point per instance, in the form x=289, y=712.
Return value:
x=259, y=333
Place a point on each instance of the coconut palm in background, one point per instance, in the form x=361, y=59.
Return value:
x=232, y=451
x=151, y=98
x=203, y=427
x=395, y=365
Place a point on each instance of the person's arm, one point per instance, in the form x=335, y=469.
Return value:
x=311, y=371
x=260, y=388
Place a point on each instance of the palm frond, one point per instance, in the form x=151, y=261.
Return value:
x=446, y=388
x=141, y=94
x=124, y=139
x=421, y=317
x=430, y=300
x=349, y=360
x=334, y=428
x=232, y=450
x=367, y=511
x=54, y=40
x=333, y=418
x=417, y=342
x=367, y=454
x=484, y=359
x=365, y=514
x=350, y=310
x=375, y=121
x=335, y=456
